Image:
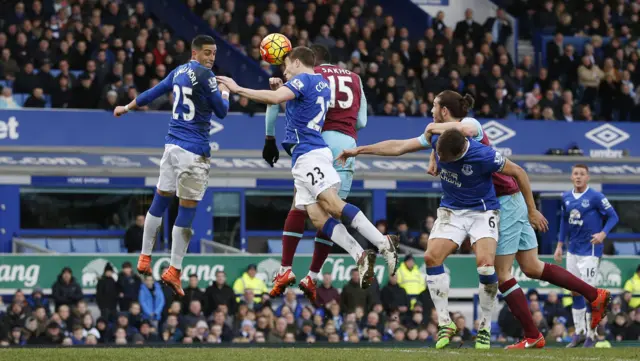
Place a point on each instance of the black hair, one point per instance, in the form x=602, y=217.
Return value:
x=201, y=40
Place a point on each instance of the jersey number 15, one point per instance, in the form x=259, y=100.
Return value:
x=342, y=88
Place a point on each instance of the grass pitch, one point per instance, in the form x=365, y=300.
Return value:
x=316, y=354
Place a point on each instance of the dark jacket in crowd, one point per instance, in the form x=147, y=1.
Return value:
x=107, y=294
x=66, y=293
x=129, y=286
x=215, y=296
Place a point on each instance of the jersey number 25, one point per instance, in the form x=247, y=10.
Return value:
x=184, y=93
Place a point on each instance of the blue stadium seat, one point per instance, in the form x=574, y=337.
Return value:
x=76, y=73
x=305, y=246
x=55, y=72
x=84, y=245
x=42, y=242
x=625, y=248
x=3, y=83
x=20, y=98
x=62, y=245
x=275, y=245
x=108, y=245
x=47, y=99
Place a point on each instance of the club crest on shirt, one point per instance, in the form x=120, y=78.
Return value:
x=585, y=203
x=213, y=84
x=297, y=83
x=467, y=170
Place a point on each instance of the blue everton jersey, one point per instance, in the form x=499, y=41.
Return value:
x=196, y=97
x=467, y=182
x=583, y=215
x=305, y=114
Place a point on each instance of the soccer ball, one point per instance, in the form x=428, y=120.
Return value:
x=274, y=47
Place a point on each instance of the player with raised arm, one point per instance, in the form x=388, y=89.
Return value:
x=308, y=97
x=184, y=168
x=469, y=207
x=516, y=235
x=583, y=212
x=347, y=113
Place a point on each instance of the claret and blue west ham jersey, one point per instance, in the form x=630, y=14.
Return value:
x=304, y=116
x=583, y=215
x=467, y=183
x=196, y=97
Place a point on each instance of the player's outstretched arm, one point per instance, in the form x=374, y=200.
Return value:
x=146, y=97
x=281, y=95
x=467, y=128
x=387, y=148
x=535, y=217
x=564, y=225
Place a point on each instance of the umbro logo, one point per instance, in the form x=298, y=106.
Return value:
x=607, y=135
x=497, y=133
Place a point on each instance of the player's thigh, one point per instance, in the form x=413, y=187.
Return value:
x=317, y=215
x=438, y=249
x=588, y=266
x=510, y=226
x=337, y=143
x=450, y=225
x=313, y=173
x=193, y=175
x=346, y=180
x=572, y=265
x=167, y=176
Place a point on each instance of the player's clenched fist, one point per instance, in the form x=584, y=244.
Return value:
x=119, y=110
x=275, y=83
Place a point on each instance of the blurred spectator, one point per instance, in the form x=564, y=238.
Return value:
x=36, y=100
x=326, y=293
x=632, y=285
x=193, y=293
x=107, y=294
x=133, y=236
x=394, y=297
x=352, y=295
x=411, y=279
x=219, y=293
x=6, y=99
x=151, y=299
x=249, y=281
x=128, y=285
x=66, y=291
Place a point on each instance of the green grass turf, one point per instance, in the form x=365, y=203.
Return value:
x=316, y=354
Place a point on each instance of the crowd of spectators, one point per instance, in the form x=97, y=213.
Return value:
x=129, y=310
x=96, y=54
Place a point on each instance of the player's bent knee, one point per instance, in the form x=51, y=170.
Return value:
x=482, y=261
x=188, y=203
x=533, y=269
x=331, y=202
x=431, y=258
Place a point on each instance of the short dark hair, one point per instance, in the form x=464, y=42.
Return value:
x=457, y=104
x=581, y=165
x=304, y=54
x=450, y=145
x=322, y=54
x=201, y=40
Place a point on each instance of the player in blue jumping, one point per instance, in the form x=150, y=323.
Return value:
x=469, y=207
x=307, y=96
x=185, y=165
x=584, y=210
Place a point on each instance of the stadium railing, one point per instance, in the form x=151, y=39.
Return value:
x=209, y=246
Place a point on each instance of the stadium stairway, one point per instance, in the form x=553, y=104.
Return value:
x=240, y=67
x=406, y=13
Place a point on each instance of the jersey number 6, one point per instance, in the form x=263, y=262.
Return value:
x=314, y=181
x=492, y=222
